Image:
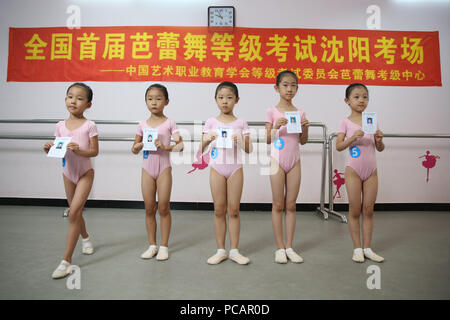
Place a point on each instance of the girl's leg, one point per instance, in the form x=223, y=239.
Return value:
x=277, y=182
x=218, y=185
x=370, y=190
x=69, y=187
x=353, y=185
x=148, y=185
x=82, y=190
x=164, y=187
x=292, y=188
x=234, y=192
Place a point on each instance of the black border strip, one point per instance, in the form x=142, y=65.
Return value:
x=128, y=204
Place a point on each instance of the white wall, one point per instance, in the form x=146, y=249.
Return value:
x=26, y=172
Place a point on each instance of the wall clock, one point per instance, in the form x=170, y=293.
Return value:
x=221, y=16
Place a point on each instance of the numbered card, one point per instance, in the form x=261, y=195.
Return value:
x=224, y=134
x=369, y=122
x=294, y=122
x=150, y=135
x=59, y=148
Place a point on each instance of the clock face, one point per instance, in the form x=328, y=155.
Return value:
x=221, y=16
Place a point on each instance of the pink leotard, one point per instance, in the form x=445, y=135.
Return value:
x=285, y=149
x=155, y=162
x=362, y=159
x=226, y=161
x=75, y=166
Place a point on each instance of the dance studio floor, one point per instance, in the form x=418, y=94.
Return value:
x=32, y=241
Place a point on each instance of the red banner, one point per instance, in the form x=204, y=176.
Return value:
x=241, y=55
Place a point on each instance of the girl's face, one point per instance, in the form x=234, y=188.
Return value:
x=226, y=99
x=287, y=88
x=358, y=99
x=156, y=101
x=77, y=101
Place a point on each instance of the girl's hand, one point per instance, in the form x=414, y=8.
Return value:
x=280, y=122
x=378, y=136
x=47, y=146
x=358, y=134
x=210, y=136
x=73, y=146
x=159, y=144
x=137, y=147
x=305, y=124
x=237, y=138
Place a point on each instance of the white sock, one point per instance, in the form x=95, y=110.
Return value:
x=289, y=250
x=86, y=242
x=162, y=248
x=358, y=250
x=63, y=265
x=368, y=251
x=221, y=252
x=152, y=246
x=234, y=252
x=283, y=250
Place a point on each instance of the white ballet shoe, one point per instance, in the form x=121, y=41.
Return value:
x=62, y=270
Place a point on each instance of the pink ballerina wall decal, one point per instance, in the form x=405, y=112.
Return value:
x=201, y=163
x=429, y=163
x=339, y=181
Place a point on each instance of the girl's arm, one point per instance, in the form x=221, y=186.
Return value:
x=342, y=144
x=248, y=145
x=89, y=153
x=137, y=144
x=271, y=131
x=245, y=144
x=305, y=129
x=177, y=147
x=207, y=138
x=379, y=145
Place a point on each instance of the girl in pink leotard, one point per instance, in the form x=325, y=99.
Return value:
x=361, y=179
x=157, y=170
x=285, y=165
x=78, y=173
x=226, y=175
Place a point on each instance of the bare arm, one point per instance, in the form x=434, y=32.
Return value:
x=137, y=144
x=207, y=138
x=305, y=131
x=379, y=145
x=177, y=147
x=89, y=153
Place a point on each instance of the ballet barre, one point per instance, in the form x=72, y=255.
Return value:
x=323, y=140
x=329, y=143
